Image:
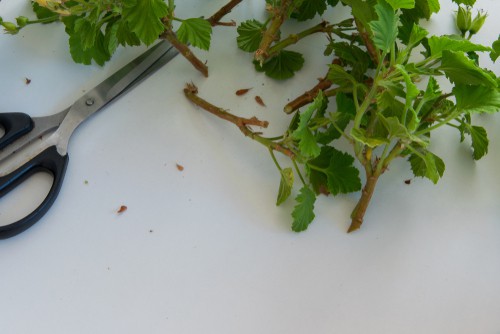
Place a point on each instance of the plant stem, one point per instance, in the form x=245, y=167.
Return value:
x=191, y=92
x=214, y=20
x=294, y=38
x=271, y=33
x=170, y=36
x=359, y=211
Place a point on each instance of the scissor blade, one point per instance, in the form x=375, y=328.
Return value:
x=120, y=82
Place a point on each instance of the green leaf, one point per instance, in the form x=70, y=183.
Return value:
x=249, y=35
x=465, y=2
x=432, y=91
x=111, y=37
x=438, y=44
x=342, y=177
x=43, y=13
x=462, y=70
x=286, y=185
x=196, y=31
x=385, y=29
x=495, y=53
x=125, y=35
x=427, y=164
x=354, y=56
x=363, y=10
x=339, y=76
x=307, y=142
x=479, y=141
x=303, y=213
x=144, y=18
x=283, y=65
x=411, y=89
x=309, y=9
x=477, y=99
x=360, y=136
x=397, y=4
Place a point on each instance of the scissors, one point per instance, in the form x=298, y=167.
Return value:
x=23, y=154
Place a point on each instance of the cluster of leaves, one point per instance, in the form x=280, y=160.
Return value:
x=96, y=28
x=380, y=94
x=387, y=97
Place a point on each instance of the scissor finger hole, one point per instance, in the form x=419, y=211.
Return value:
x=25, y=198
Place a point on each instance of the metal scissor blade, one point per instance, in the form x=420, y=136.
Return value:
x=120, y=82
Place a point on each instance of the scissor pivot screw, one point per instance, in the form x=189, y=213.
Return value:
x=89, y=102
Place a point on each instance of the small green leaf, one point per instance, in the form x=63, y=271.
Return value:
x=427, y=164
x=303, y=213
x=477, y=99
x=495, y=53
x=462, y=70
x=385, y=29
x=196, y=31
x=249, y=35
x=283, y=65
x=465, y=2
x=286, y=185
x=479, y=141
x=341, y=175
x=411, y=89
x=144, y=18
x=307, y=142
x=438, y=44
x=339, y=76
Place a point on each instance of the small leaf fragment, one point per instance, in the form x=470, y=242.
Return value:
x=286, y=185
x=303, y=213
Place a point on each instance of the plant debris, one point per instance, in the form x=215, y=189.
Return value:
x=243, y=91
x=122, y=209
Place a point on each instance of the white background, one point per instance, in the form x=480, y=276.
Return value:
x=206, y=250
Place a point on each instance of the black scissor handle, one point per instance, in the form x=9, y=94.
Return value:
x=15, y=126
x=47, y=161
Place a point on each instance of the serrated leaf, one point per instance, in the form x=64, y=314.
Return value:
x=495, y=53
x=385, y=29
x=438, y=44
x=427, y=164
x=195, y=31
x=308, y=144
x=125, y=35
x=286, y=185
x=479, y=141
x=341, y=175
x=477, y=99
x=111, y=37
x=144, y=18
x=249, y=35
x=283, y=65
x=398, y=4
x=303, y=213
x=432, y=91
x=462, y=70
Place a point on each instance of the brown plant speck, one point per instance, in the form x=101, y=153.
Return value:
x=180, y=168
x=243, y=91
x=259, y=100
x=122, y=209
x=27, y=81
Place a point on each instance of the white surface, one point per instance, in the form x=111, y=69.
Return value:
x=221, y=257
